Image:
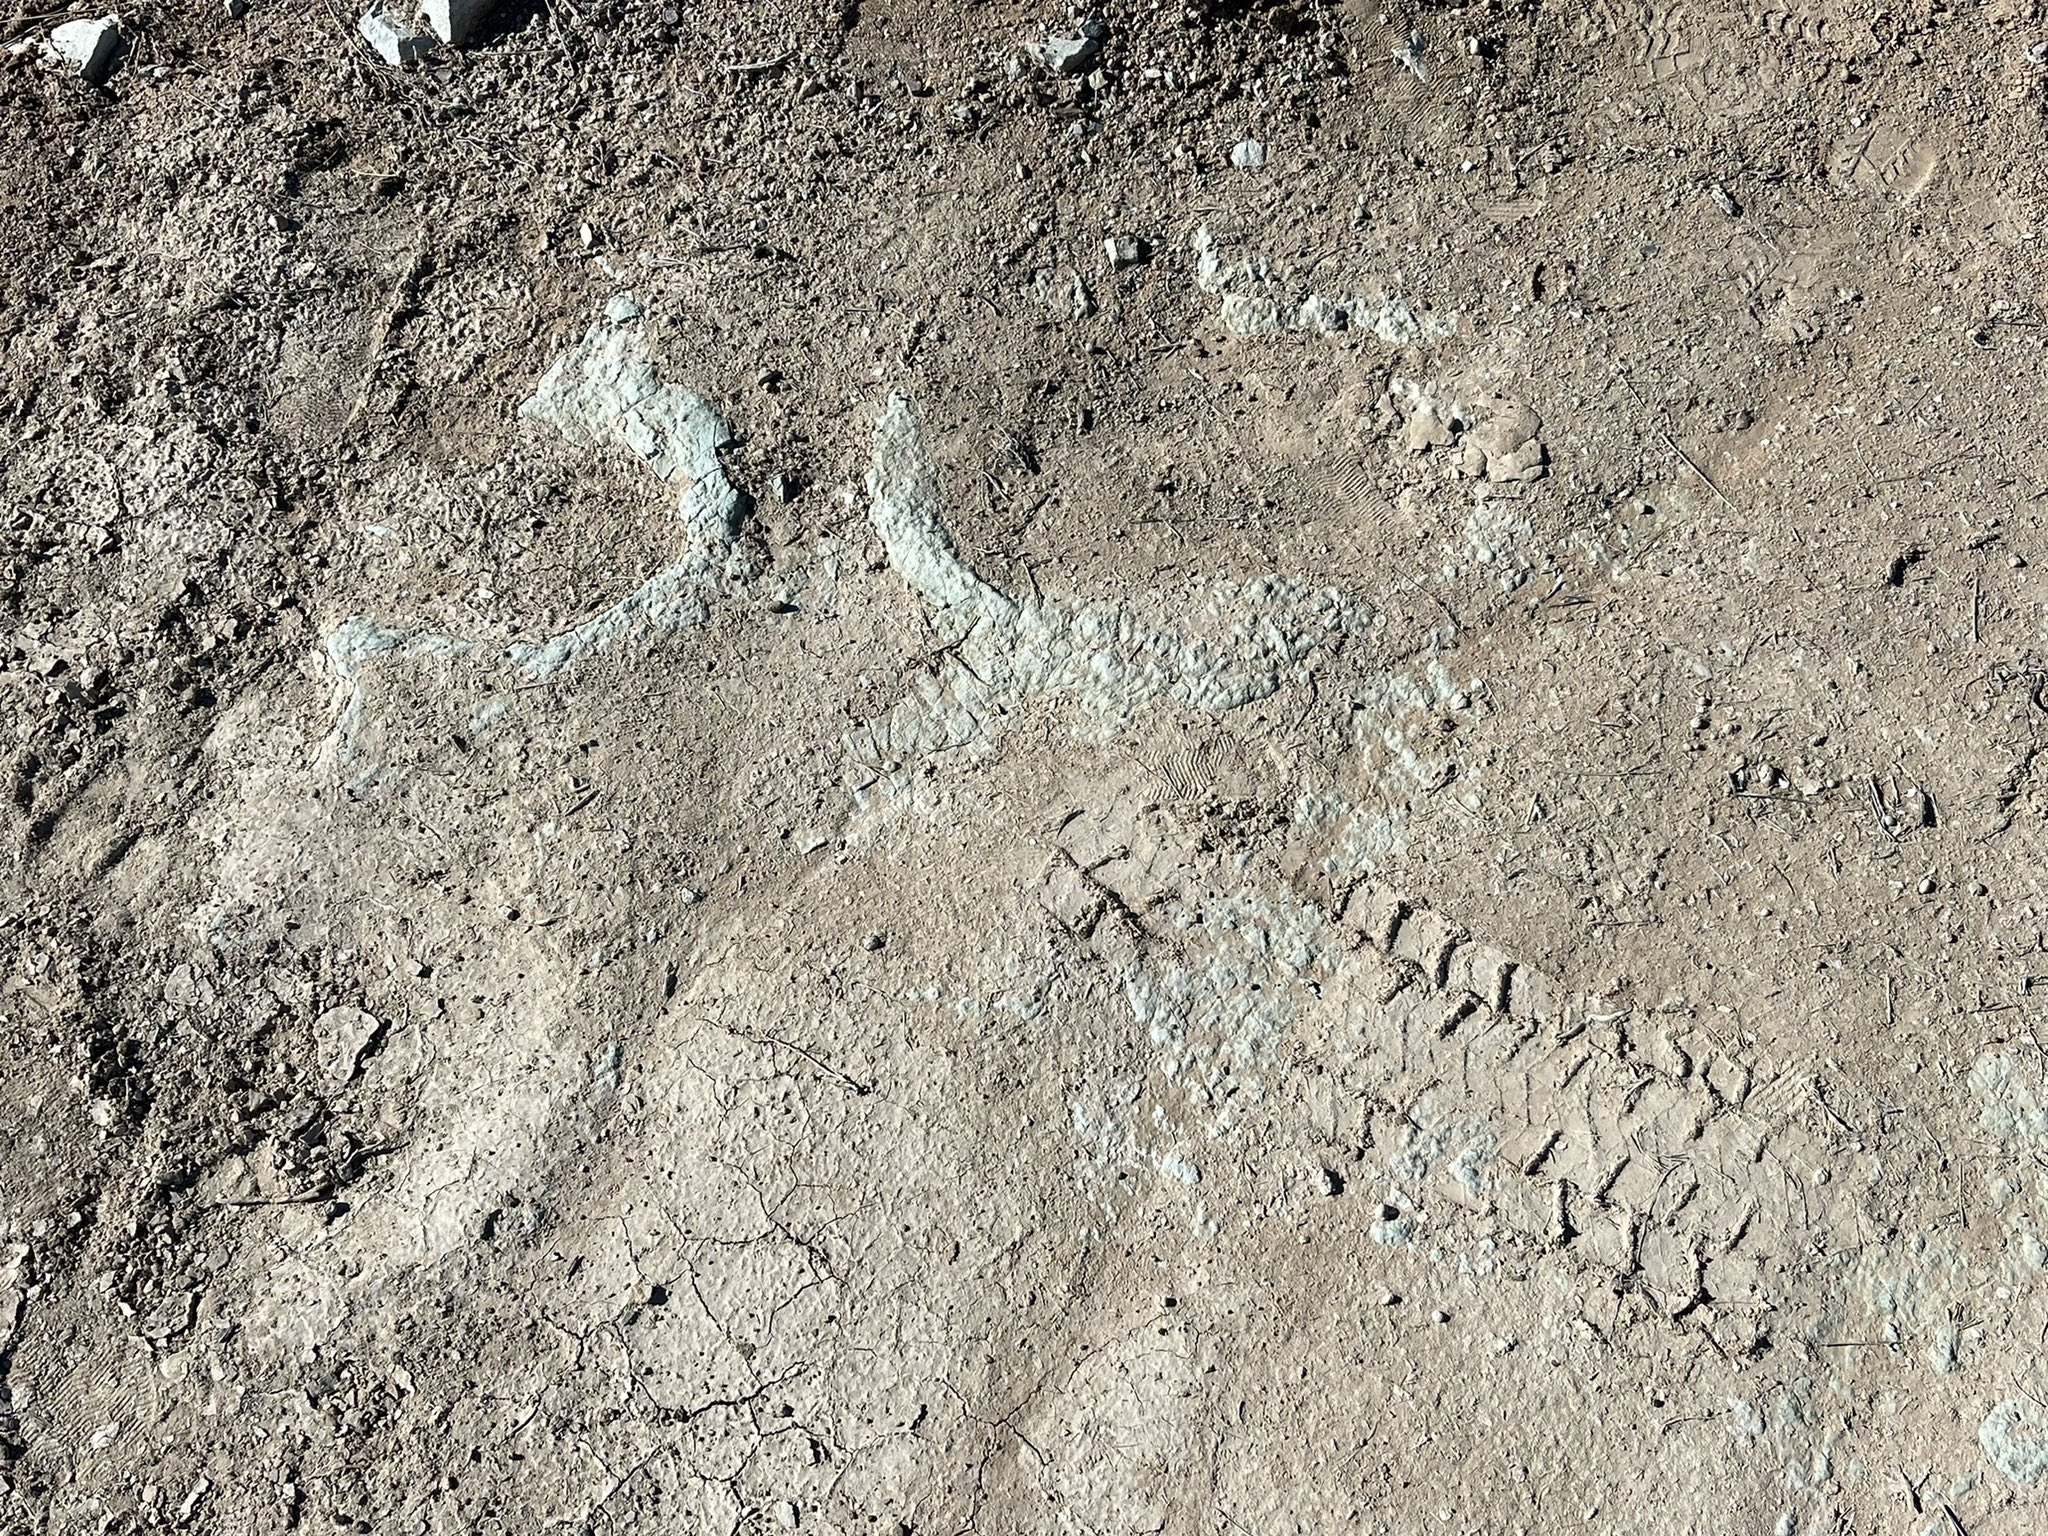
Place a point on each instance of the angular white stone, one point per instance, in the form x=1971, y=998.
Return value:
x=454, y=20
x=391, y=42
x=88, y=46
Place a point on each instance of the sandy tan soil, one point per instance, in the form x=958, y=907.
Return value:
x=769, y=771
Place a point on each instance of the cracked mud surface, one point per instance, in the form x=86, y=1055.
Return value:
x=765, y=771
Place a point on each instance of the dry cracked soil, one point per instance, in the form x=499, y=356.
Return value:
x=914, y=766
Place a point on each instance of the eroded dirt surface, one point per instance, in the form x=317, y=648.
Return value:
x=766, y=771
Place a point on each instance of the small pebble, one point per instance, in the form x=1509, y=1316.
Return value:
x=1248, y=155
x=1439, y=1317
x=1123, y=252
x=1070, y=55
x=873, y=942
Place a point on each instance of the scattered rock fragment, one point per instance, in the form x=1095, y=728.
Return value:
x=1124, y=252
x=1504, y=446
x=1496, y=439
x=1248, y=155
x=1258, y=300
x=392, y=41
x=171, y=1316
x=1071, y=55
x=86, y=46
x=14, y=1259
x=343, y=1035
x=201, y=1487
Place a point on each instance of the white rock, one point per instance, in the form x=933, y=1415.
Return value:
x=1251, y=314
x=342, y=1035
x=88, y=46
x=1066, y=55
x=392, y=42
x=1248, y=155
x=201, y=1487
x=1072, y=55
x=1123, y=252
x=454, y=20
x=2015, y=1437
x=1320, y=314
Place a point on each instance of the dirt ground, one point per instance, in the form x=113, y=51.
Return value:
x=893, y=767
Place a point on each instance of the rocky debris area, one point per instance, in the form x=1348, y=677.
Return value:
x=892, y=765
x=1495, y=438
x=400, y=37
